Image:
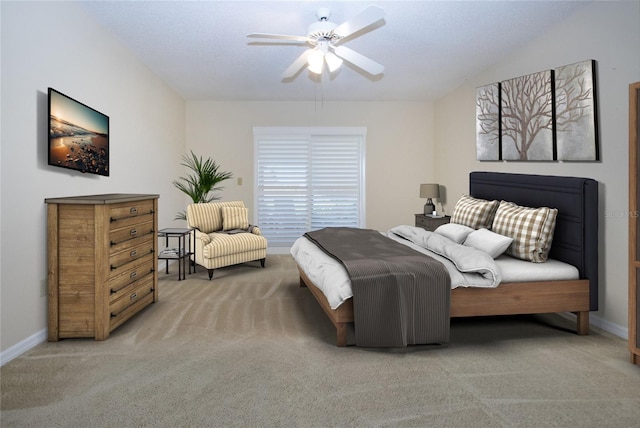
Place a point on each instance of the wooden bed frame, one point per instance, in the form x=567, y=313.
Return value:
x=575, y=242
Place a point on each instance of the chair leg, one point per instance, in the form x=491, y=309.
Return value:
x=262, y=262
x=210, y=274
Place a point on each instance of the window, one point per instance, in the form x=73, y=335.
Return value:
x=308, y=179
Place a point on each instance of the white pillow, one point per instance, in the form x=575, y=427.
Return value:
x=488, y=241
x=455, y=232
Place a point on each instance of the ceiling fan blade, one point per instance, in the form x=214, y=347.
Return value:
x=359, y=60
x=278, y=36
x=297, y=65
x=365, y=18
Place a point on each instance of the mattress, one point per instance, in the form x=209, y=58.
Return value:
x=332, y=279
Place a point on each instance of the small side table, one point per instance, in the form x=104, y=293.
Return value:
x=182, y=253
x=431, y=223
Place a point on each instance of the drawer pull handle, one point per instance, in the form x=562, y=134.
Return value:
x=133, y=233
x=133, y=296
x=134, y=210
x=133, y=253
x=133, y=274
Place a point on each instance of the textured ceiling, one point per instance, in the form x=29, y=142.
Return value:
x=200, y=48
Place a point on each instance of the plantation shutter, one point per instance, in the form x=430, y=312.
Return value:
x=308, y=179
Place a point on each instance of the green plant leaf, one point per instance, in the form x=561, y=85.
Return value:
x=202, y=181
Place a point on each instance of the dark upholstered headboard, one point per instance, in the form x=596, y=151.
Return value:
x=575, y=240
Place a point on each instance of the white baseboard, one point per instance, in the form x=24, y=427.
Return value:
x=278, y=250
x=608, y=326
x=23, y=346
x=602, y=324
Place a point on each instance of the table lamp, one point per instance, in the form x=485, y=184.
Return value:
x=429, y=191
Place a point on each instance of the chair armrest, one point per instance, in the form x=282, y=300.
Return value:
x=202, y=237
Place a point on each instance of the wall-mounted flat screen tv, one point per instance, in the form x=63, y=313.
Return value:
x=78, y=135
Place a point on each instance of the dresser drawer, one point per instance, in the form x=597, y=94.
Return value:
x=131, y=272
x=118, y=212
x=130, y=253
x=146, y=260
x=122, y=223
x=125, y=234
x=140, y=302
x=130, y=295
x=130, y=244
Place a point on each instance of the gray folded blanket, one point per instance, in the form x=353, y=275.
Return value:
x=234, y=231
x=400, y=296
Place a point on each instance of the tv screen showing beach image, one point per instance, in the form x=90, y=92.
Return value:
x=78, y=135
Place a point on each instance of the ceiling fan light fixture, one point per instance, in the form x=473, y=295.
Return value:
x=315, y=61
x=323, y=38
x=333, y=62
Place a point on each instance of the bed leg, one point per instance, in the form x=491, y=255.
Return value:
x=583, y=322
x=341, y=334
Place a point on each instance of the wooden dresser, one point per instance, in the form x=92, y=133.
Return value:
x=102, y=262
x=634, y=222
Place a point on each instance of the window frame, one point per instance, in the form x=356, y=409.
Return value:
x=309, y=133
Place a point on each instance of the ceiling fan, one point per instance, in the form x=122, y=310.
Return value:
x=324, y=38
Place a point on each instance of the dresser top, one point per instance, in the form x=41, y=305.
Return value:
x=106, y=199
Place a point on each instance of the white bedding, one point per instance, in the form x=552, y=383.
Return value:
x=332, y=279
x=516, y=270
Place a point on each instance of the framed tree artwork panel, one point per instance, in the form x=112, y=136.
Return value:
x=488, y=123
x=526, y=109
x=576, y=112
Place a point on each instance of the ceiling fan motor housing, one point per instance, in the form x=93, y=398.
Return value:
x=322, y=30
x=323, y=13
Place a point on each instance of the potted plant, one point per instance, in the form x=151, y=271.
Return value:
x=201, y=182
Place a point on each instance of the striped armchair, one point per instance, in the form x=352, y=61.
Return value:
x=223, y=236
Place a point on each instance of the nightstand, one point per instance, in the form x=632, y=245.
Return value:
x=431, y=223
x=182, y=253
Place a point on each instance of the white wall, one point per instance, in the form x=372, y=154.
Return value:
x=55, y=44
x=608, y=32
x=399, y=147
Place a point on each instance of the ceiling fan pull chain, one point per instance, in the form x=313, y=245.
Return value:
x=318, y=84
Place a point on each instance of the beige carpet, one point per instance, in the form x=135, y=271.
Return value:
x=252, y=348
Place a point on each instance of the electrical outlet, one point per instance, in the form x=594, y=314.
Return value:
x=43, y=288
x=239, y=181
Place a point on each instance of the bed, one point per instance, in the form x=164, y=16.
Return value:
x=575, y=242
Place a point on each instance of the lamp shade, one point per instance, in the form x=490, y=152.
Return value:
x=429, y=190
x=316, y=61
x=333, y=62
